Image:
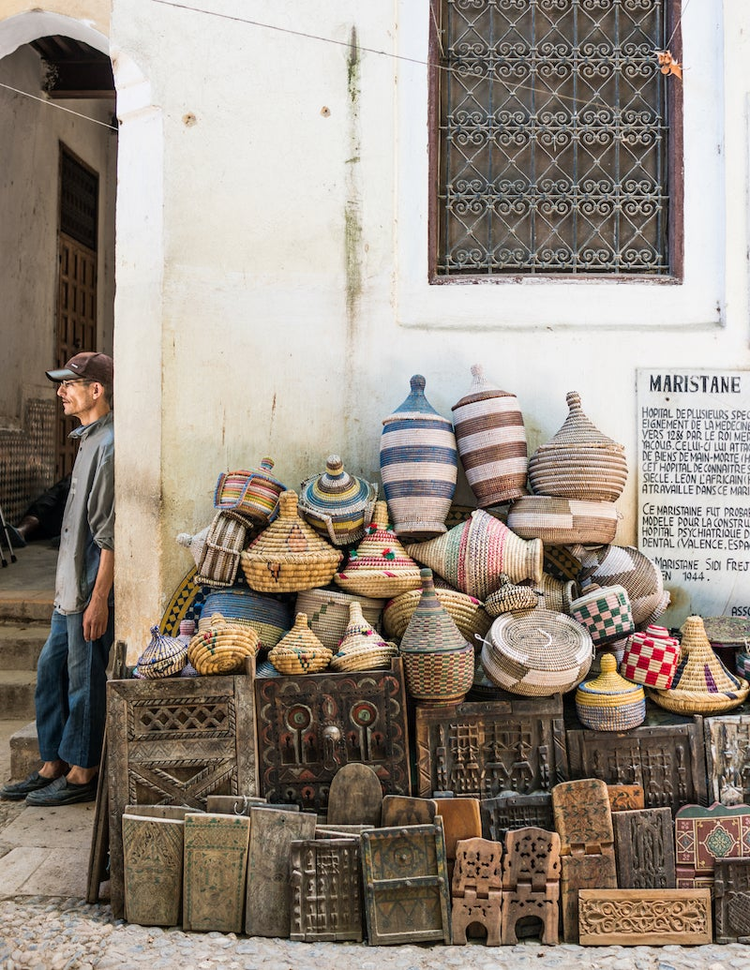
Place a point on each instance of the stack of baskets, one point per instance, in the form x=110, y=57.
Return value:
x=379, y=566
x=269, y=616
x=328, y=612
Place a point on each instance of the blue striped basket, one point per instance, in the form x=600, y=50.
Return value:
x=336, y=504
x=269, y=617
x=418, y=465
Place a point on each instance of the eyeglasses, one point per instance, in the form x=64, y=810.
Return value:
x=66, y=384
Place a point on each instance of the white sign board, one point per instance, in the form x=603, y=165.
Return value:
x=694, y=487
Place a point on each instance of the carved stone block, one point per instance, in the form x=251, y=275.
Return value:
x=645, y=917
x=476, y=894
x=666, y=759
x=644, y=848
x=215, y=872
x=531, y=882
x=271, y=837
x=703, y=835
x=326, y=891
x=732, y=900
x=728, y=758
x=482, y=749
x=153, y=854
x=625, y=798
x=405, y=877
x=309, y=726
x=508, y=811
x=175, y=741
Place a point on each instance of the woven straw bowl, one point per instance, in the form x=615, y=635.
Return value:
x=223, y=648
x=361, y=658
x=698, y=701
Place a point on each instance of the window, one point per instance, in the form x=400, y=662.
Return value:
x=558, y=139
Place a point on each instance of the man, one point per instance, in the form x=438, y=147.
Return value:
x=72, y=671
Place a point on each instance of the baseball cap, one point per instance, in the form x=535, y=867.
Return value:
x=89, y=365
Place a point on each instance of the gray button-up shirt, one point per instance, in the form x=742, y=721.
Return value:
x=89, y=520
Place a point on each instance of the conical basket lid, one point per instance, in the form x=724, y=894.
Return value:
x=699, y=668
x=336, y=491
x=431, y=628
x=290, y=539
x=416, y=405
x=578, y=430
x=300, y=639
x=359, y=634
x=481, y=389
x=610, y=683
x=379, y=566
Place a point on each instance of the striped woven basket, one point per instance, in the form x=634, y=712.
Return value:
x=563, y=521
x=216, y=550
x=163, y=657
x=537, y=654
x=289, y=555
x=300, y=651
x=609, y=702
x=271, y=618
x=327, y=612
x=467, y=612
x=579, y=461
x=379, y=566
x=251, y=497
x=336, y=504
x=223, y=648
x=628, y=567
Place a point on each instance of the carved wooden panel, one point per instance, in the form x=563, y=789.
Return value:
x=645, y=917
x=666, y=759
x=153, y=870
x=503, y=813
x=531, y=882
x=326, y=888
x=215, y=872
x=309, y=726
x=728, y=758
x=476, y=889
x=625, y=798
x=461, y=820
x=484, y=749
x=703, y=835
x=644, y=848
x=732, y=900
x=175, y=741
x=355, y=796
x=405, y=810
x=406, y=884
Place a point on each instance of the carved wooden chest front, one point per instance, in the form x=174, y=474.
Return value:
x=309, y=726
x=516, y=744
x=732, y=899
x=728, y=758
x=326, y=884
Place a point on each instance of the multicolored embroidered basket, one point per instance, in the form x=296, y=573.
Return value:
x=362, y=647
x=537, y=654
x=223, y=648
x=418, y=465
x=491, y=441
x=250, y=496
x=221, y=551
x=327, y=612
x=379, y=566
x=609, y=702
x=300, y=651
x=563, y=521
x=605, y=613
x=163, y=657
x=651, y=657
x=271, y=618
x=336, y=504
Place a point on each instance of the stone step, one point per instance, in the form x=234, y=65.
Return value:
x=23, y=606
x=24, y=752
x=21, y=644
x=17, y=693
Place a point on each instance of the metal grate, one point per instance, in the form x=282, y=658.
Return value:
x=554, y=137
x=79, y=192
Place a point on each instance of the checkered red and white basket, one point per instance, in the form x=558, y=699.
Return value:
x=651, y=657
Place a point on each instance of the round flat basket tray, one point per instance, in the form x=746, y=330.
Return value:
x=698, y=701
x=537, y=653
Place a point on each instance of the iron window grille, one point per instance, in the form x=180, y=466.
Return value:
x=558, y=145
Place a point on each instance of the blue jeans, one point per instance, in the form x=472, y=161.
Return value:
x=71, y=701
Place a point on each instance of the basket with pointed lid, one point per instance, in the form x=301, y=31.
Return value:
x=418, y=465
x=327, y=612
x=609, y=702
x=163, y=657
x=491, y=441
x=467, y=612
x=438, y=661
x=474, y=555
x=579, y=461
x=379, y=566
x=223, y=648
x=300, y=651
x=289, y=555
x=510, y=598
x=251, y=496
x=336, y=504
x=362, y=647
x=701, y=684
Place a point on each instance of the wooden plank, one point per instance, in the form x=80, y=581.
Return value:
x=97, y=871
x=160, y=811
x=355, y=796
x=732, y=900
x=153, y=868
x=216, y=852
x=645, y=917
x=503, y=813
x=644, y=849
x=461, y=820
x=326, y=890
x=271, y=837
x=727, y=740
x=625, y=798
x=233, y=804
x=405, y=810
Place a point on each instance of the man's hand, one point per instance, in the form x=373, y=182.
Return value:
x=95, y=618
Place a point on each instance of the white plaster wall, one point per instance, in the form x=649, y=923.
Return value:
x=293, y=299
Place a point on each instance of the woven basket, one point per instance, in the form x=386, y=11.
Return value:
x=511, y=598
x=300, y=651
x=491, y=441
x=362, y=648
x=289, y=555
x=609, y=702
x=250, y=496
x=563, y=521
x=223, y=648
x=379, y=566
x=466, y=611
x=651, y=658
x=605, y=613
x=474, y=555
x=269, y=617
x=163, y=657
x=628, y=567
x=579, y=461
x=327, y=612
x=702, y=684
x=337, y=505
x=561, y=563
x=418, y=465
x=556, y=594
x=216, y=551
x=537, y=654
x=438, y=661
